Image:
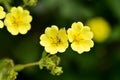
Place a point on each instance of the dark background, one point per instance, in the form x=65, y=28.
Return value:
x=101, y=63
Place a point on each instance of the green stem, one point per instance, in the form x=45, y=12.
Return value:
x=6, y=4
x=20, y=67
x=44, y=54
x=24, y=5
x=31, y=64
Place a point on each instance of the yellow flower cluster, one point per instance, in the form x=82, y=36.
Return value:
x=55, y=40
x=100, y=28
x=18, y=21
x=2, y=15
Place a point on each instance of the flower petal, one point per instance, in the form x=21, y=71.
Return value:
x=1, y=24
x=2, y=13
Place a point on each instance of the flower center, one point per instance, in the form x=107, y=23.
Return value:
x=57, y=40
x=16, y=21
x=78, y=38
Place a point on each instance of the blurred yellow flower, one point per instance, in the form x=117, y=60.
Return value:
x=100, y=28
x=18, y=21
x=54, y=40
x=2, y=15
x=80, y=36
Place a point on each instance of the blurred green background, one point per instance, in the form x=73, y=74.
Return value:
x=101, y=63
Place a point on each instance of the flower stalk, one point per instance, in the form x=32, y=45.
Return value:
x=6, y=4
x=20, y=67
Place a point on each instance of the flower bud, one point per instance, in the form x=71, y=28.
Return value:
x=7, y=71
x=57, y=71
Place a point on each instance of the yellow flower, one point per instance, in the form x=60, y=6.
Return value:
x=100, y=28
x=80, y=36
x=2, y=15
x=18, y=21
x=54, y=40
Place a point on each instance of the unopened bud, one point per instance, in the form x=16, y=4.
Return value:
x=57, y=71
